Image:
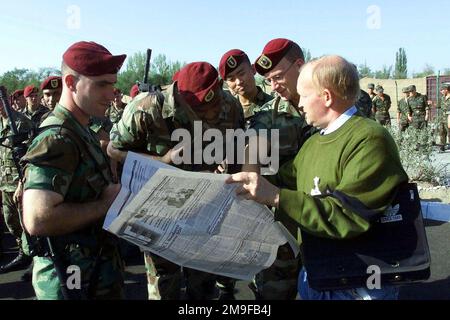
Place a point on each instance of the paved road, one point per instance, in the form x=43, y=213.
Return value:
x=437, y=287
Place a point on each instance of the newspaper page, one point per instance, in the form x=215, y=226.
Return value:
x=195, y=220
x=137, y=171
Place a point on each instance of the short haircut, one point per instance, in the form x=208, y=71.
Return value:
x=294, y=53
x=337, y=75
x=66, y=70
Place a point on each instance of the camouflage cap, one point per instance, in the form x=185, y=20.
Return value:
x=445, y=86
x=371, y=86
x=379, y=89
x=405, y=90
x=412, y=88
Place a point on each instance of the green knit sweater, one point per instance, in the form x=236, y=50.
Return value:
x=360, y=161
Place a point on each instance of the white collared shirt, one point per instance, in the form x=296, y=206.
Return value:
x=339, y=122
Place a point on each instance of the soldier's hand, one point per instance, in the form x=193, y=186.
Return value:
x=254, y=187
x=109, y=194
x=17, y=198
x=169, y=157
x=222, y=168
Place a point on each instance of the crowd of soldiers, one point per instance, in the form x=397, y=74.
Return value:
x=72, y=167
x=413, y=110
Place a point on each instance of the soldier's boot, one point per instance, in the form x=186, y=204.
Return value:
x=226, y=288
x=19, y=262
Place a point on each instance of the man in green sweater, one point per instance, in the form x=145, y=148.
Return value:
x=352, y=158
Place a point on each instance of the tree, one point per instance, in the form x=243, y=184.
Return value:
x=401, y=65
x=161, y=71
x=428, y=70
x=364, y=71
x=385, y=73
x=307, y=55
x=446, y=72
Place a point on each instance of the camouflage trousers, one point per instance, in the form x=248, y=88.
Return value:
x=109, y=283
x=279, y=281
x=404, y=126
x=419, y=124
x=164, y=280
x=443, y=132
x=11, y=214
x=384, y=121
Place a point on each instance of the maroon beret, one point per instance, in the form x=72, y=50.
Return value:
x=51, y=83
x=91, y=59
x=134, y=91
x=29, y=90
x=197, y=83
x=16, y=94
x=231, y=60
x=272, y=54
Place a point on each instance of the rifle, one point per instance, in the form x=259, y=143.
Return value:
x=44, y=247
x=145, y=86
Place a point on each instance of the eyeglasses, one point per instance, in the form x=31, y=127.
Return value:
x=279, y=77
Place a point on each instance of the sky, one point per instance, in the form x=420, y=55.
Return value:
x=35, y=34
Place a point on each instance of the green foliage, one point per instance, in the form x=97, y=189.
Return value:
x=416, y=153
x=385, y=73
x=364, y=71
x=161, y=71
x=428, y=70
x=307, y=55
x=401, y=65
x=20, y=78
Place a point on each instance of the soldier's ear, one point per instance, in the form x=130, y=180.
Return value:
x=70, y=81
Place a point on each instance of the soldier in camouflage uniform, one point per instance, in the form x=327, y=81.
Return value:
x=147, y=125
x=371, y=90
x=381, y=105
x=280, y=63
x=34, y=111
x=114, y=113
x=9, y=181
x=443, y=116
x=51, y=89
x=403, y=114
x=239, y=75
x=418, y=107
x=68, y=187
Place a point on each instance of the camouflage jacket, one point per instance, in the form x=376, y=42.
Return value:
x=9, y=177
x=114, y=114
x=403, y=109
x=381, y=107
x=445, y=105
x=74, y=166
x=149, y=120
x=418, y=106
x=282, y=115
x=253, y=108
x=96, y=124
x=36, y=116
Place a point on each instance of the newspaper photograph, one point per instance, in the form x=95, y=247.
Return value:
x=195, y=220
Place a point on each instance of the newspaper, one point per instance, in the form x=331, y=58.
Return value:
x=195, y=220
